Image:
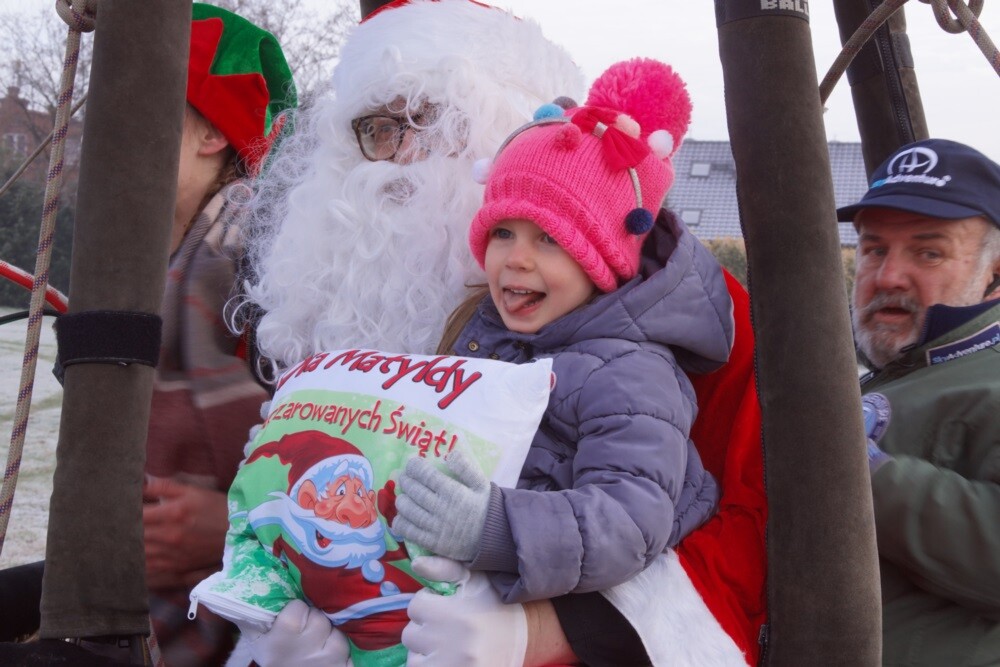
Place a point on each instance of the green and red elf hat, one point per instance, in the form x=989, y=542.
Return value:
x=239, y=80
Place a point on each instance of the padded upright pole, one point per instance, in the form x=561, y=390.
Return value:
x=883, y=83
x=823, y=586
x=94, y=582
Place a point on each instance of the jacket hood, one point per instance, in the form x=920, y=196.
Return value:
x=679, y=299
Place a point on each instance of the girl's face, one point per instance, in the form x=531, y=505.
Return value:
x=531, y=278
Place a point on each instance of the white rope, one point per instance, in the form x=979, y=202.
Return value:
x=79, y=15
x=966, y=19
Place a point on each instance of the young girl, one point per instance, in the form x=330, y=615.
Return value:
x=612, y=477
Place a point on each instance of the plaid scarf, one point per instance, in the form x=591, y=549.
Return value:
x=205, y=400
x=208, y=394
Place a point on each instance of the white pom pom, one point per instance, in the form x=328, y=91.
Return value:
x=481, y=170
x=662, y=143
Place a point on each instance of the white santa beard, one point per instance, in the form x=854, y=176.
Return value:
x=381, y=265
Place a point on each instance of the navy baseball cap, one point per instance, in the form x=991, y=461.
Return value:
x=937, y=178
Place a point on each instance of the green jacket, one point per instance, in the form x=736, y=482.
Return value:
x=937, y=501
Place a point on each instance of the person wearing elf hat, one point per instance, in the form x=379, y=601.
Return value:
x=205, y=399
x=361, y=228
x=612, y=478
x=926, y=314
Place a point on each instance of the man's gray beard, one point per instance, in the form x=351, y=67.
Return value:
x=881, y=343
x=380, y=266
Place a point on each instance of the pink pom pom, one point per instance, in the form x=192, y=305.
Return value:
x=647, y=90
x=568, y=137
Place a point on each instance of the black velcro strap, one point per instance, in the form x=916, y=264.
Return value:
x=108, y=337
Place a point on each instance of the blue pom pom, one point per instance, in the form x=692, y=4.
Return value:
x=548, y=111
x=638, y=221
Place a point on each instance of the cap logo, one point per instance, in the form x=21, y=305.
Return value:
x=913, y=166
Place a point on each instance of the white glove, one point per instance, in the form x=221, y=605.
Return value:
x=471, y=628
x=302, y=636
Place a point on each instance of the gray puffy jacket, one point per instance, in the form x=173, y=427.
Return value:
x=622, y=480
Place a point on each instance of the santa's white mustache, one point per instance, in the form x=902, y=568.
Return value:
x=396, y=183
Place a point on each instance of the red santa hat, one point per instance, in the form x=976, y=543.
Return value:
x=459, y=44
x=315, y=453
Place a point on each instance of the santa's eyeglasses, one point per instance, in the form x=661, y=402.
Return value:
x=380, y=137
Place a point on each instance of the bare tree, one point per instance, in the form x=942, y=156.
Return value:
x=33, y=46
x=32, y=51
x=310, y=39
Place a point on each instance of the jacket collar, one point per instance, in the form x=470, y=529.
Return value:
x=951, y=332
x=943, y=319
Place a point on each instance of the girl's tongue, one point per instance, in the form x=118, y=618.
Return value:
x=519, y=299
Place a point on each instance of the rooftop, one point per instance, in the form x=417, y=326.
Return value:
x=704, y=189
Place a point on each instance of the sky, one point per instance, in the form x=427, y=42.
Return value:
x=959, y=90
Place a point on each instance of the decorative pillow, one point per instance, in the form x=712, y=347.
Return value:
x=312, y=504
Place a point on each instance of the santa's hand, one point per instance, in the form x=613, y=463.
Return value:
x=472, y=627
x=303, y=636
x=440, y=513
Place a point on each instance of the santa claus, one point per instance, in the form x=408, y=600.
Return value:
x=362, y=225
x=365, y=210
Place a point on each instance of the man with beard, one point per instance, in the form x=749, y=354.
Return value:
x=927, y=318
x=362, y=225
x=366, y=208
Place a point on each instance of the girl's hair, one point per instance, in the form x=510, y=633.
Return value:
x=232, y=170
x=459, y=318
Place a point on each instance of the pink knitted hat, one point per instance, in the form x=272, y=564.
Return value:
x=592, y=177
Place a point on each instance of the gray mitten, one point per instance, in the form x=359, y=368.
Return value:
x=441, y=513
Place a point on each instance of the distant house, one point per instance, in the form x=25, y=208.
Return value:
x=22, y=128
x=704, y=189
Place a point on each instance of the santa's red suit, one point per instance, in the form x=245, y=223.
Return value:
x=704, y=605
x=334, y=589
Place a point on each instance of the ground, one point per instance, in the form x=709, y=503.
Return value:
x=26, y=530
